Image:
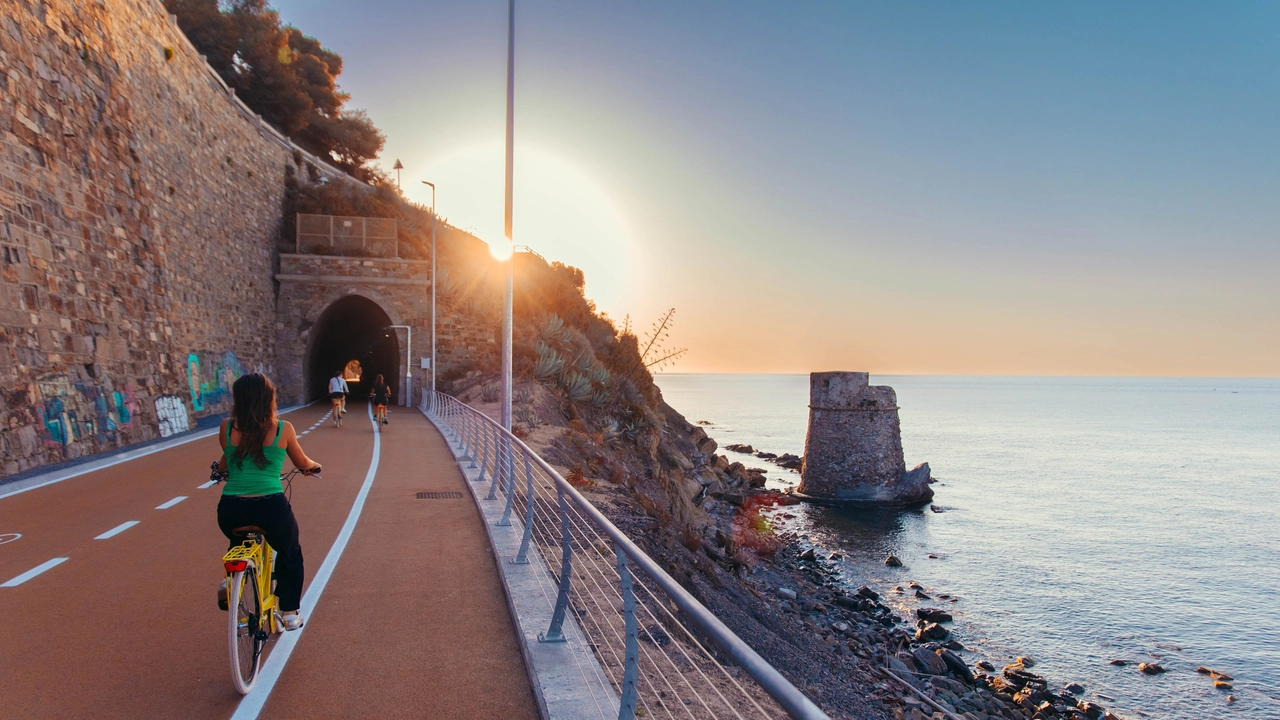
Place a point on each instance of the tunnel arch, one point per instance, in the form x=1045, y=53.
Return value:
x=352, y=327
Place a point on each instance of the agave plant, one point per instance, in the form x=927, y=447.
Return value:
x=600, y=398
x=522, y=395
x=549, y=364
x=553, y=330
x=577, y=387
x=489, y=392
x=599, y=376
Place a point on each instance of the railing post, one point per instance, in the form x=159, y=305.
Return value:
x=484, y=454
x=474, y=427
x=498, y=442
x=468, y=447
x=555, y=633
x=522, y=557
x=631, y=664
x=509, y=461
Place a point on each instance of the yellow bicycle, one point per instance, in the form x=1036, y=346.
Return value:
x=253, y=616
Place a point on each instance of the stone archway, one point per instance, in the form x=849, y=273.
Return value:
x=352, y=328
x=331, y=306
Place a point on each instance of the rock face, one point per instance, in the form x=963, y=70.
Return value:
x=853, y=451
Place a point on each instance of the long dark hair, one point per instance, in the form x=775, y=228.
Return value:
x=253, y=414
x=379, y=381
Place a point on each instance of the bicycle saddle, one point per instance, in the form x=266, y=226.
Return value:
x=248, y=529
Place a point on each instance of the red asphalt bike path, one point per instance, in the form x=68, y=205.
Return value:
x=128, y=626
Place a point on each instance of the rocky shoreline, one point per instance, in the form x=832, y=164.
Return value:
x=711, y=522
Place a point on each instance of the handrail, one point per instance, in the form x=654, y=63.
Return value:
x=462, y=420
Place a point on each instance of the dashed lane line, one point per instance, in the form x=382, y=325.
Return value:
x=251, y=705
x=117, y=530
x=15, y=582
x=171, y=503
x=209, y=484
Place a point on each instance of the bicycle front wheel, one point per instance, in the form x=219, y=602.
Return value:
x=246, y=629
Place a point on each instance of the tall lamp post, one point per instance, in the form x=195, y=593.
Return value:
x=511, y=259
x=431, y=397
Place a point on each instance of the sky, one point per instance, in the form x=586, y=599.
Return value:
x=1085, y=188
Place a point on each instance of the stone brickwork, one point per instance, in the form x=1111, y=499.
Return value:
x=853, y=449
x=311, y=284
x=139, y=212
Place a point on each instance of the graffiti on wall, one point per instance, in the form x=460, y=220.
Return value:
x=171, y=413
x=71, y=410
x=210, y=378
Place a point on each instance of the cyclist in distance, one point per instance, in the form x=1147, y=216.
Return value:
x=338, y=392
x=254, y=444
x=381, y=395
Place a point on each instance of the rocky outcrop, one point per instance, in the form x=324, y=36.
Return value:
x=853, y=450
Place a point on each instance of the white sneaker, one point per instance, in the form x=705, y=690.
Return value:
x=292, y=621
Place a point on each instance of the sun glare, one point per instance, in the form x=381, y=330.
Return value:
x=500, y=249
x=562, y=212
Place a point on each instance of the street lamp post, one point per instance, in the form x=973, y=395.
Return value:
x=431, y=395
x=511, y=260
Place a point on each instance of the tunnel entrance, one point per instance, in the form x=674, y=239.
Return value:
x=352, y=335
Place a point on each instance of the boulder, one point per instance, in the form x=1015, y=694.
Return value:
x=740, y=448
x=1150, y=668
x=956, y=665
x=929, y=662
x=893, y=561
x=868, y=593
x=809, y=555
x=1073, y=689
x=933, y=615
x=931, y=631
x=707, y=445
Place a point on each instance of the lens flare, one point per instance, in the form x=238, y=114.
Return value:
x=500, y=249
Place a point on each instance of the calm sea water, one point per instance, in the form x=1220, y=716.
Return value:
x=1086, y=519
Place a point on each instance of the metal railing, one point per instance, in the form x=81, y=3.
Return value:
x=662, y=652
x=347, y=236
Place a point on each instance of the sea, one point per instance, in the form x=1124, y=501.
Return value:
x=1083, y=520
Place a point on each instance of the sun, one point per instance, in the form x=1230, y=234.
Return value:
x=561, y=212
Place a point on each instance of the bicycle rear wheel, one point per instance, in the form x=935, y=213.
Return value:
x=245, y=629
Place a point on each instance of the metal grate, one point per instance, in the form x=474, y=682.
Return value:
x=439, y=495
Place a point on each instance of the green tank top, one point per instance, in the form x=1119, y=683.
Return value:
x=249, y=479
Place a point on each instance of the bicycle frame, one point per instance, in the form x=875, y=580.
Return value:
x=256, y=553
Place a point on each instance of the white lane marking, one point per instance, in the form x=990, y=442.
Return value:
x=123, y=458
x=304, y=432
x=117, y=530
x=209, y=484
x=251, y=705
x=171, y=503
x=9, y=537
x=15, y=582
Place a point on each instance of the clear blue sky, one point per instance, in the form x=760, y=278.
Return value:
x=1042, y=188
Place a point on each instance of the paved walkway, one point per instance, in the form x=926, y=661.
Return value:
x=412, y=623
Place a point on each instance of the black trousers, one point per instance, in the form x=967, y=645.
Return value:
x=273, y=514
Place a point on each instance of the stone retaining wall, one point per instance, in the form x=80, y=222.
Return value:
x=139, y=210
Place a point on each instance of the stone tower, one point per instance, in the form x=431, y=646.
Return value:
x=853, y=450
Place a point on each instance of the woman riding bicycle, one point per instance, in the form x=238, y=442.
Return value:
x=254, y=444
x=381, y=395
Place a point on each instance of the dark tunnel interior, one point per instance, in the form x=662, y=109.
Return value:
x=353, y=328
